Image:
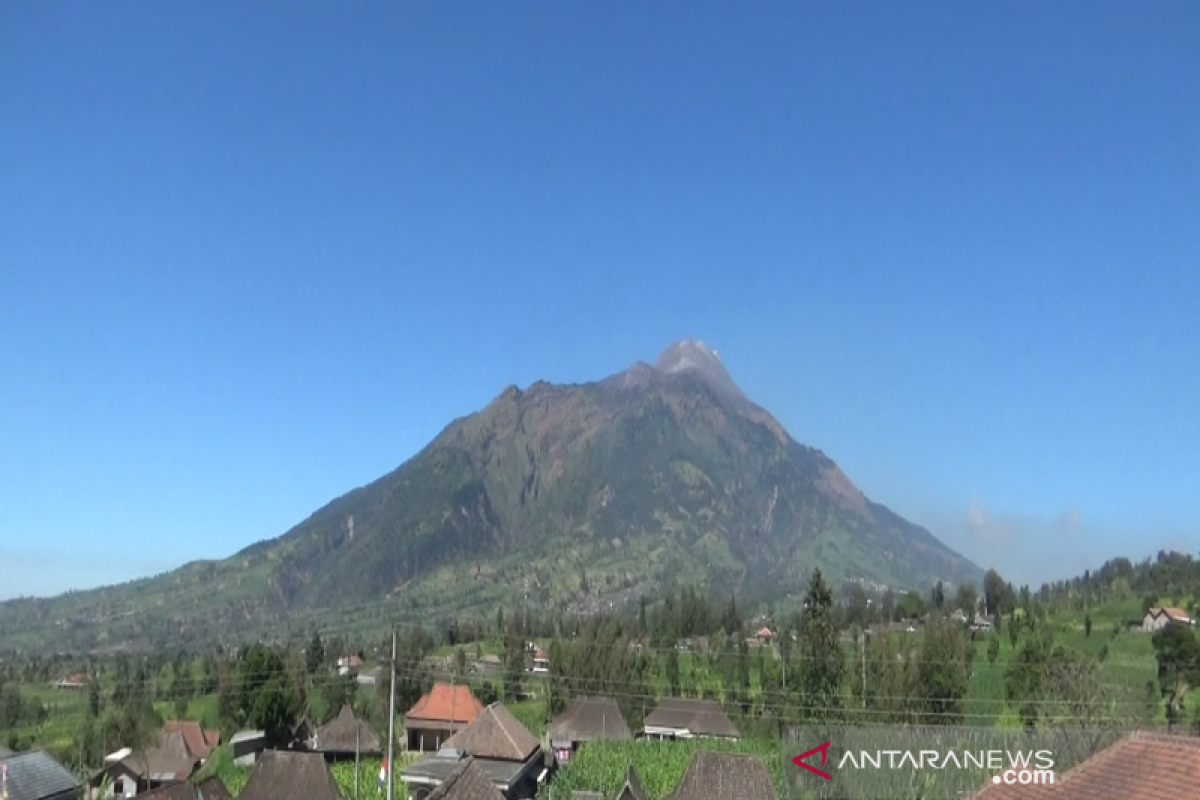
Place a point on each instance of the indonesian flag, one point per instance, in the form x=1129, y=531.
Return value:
x=383, y=774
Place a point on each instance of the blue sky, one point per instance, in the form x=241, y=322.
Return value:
x=255, y=255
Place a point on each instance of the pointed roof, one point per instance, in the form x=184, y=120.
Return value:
x=495, y=734
x=631, y=789
x=446, y=703
x=166, y=758
x=344, y=733
x=200, y=743
x=589, y=718
x=710, y=775
x=286, y=775
x=466, y=783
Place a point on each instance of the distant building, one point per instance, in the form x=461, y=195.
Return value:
x=1157, y=618
x=684, y=718
x=344, y=737
x=587, y=719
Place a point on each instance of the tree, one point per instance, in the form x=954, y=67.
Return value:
x=672, y=670
x=938, y=597
x=822, y=665
x=1074, y=692
x=967, y=598
x=996, y=593
x=993, y=650
x=314, y=654
x=1025, y=679
x=1178, y=653
x=1087, y=625
x=944, y=672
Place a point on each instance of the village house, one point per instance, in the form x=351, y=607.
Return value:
x=687, y=718
x=502, y=748
x=1145, y=765
x=199, y=742
x=447, y=709
x=246, y=746
x=164, y=761
x=1158, y=618
x=34, y=775
x=764, y=635
x=710, y=775
x=75, y=683
x=349, y=665
x=468, y=782
x=285, y=775
x=344, y=738
x=586, y=719
x=541, y=662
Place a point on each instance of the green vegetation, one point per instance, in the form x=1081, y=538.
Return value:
x=601, y=766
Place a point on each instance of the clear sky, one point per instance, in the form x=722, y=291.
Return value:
x=253, y=255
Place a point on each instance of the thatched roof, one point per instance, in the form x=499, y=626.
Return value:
x=344, y=733
x=588, y=719
x=710, y=775
x=466, y=783
x=699, y=717
x=165, y=759
x=495, y=734
x=284, y=775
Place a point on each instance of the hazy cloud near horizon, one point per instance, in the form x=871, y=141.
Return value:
x=1033, y=549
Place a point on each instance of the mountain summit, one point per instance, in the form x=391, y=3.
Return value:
x=694, y=355
x=570, y=497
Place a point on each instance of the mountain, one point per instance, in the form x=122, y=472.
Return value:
x=572, y=496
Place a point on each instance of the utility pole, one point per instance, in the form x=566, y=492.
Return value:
x=863, y=649
x=392, y=722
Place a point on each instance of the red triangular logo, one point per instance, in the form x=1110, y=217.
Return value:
x=824, y=751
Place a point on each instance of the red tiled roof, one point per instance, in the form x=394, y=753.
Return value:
x=764, y=633
x=199, y=741
x=1146, y=766
x=1175, y=613
x=445, y=700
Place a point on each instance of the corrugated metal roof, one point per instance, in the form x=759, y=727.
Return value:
x=35, y=775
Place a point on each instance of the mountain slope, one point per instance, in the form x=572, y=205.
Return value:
x=577, y=494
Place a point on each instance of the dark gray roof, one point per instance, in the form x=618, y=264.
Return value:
x=440, y=768
x=700, y=717
x=286, y=775
x=590, y=718
x=165, y=759
x=717, y=775
x=341, y=733
x=495, y=734
x=468, y=782
x=34, y=775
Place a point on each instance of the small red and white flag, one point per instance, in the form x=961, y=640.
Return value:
x=383, y=774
